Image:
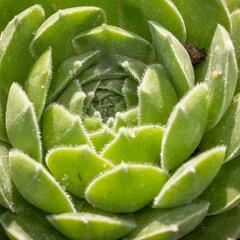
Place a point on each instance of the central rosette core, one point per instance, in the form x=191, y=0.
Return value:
x=106, y=72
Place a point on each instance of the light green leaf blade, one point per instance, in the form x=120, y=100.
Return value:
x=76, y=167
x=60, y=127
x=21, y=123
x=225, y=227
x=185, y=128
x=93, y=123
x=38, y=82
x=59, y=29
x=123, y=190
x=77, y=103
x=114, y=40
x=157, y=96
x=14, y=44
x=31, y=177
x=191, y=179
x=201, y=19
x=29, y=224
x=170, y=224
x=126, y=119
x=90, y=226
x=135, y=145
x=224, y=192
x=174, y=58
x=221, y=74
x=101, y=138
x=226, y=132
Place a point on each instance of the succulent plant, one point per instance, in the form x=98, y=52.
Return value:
x=119, y=120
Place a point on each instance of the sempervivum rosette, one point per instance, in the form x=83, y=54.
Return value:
x=119, y=120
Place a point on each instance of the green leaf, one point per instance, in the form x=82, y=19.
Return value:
x=235, y=17
x=233, y=4
x=29, y=224
x=69, y=70
x=224, y=226
x=59, y=30
x=126, y=119
x=221, y=75
x=90, y=226
x=123, y=190
x=31, y=177
x=114, y=40
x=191, y=179
x=77, y=103
x=101, y=138
x=6, y=186
x=38, y=82
x=129, y=92
x=93, y=123
x=134, y=14
x=174, y=58
x=224, y=192
x=21, y=123
x=76, y=167
x=67, y=131
x=157, y=96
x=170, y=224
x=201, y=19
x=185, y=128
x=135, y=145
x=226, y=132
x=14, y=44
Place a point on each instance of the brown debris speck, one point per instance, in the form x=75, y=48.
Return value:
x=196, y=55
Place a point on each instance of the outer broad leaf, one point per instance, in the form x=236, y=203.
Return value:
x=170, y=224
x=224, y=192
x=38, y=82
x=90, y=226
x=191, y=179
x=174, y=58
x=21, y=123
x=220, y=75
x=135, y=145
x=200, y=19
x=6, y=186
x=185, y=128
x=114, y=40
x=76, y=167
x=224, y=226
x=226, y=132
x=60, y=127
x=157, y=96
x=59, y=29
x=14, y=45
x=31, y=177
x=123, y=190
x=133, y=16
x=20, y=226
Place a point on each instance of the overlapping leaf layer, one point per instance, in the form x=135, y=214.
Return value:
x=119, y=119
